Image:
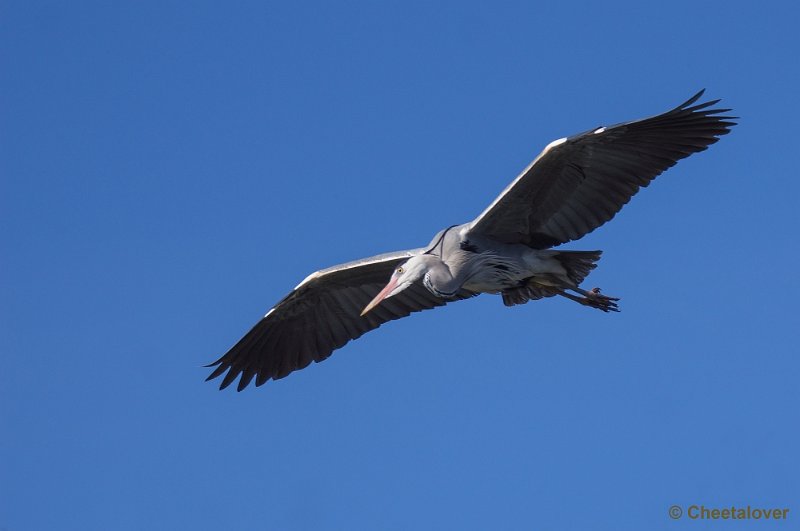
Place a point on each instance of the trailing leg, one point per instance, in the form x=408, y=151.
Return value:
x=592, y=298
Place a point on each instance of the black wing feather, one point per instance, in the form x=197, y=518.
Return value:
x=321, y=315
x=579, y=184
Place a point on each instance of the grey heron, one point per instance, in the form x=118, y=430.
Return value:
x=575, y=185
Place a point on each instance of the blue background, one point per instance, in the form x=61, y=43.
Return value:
x=170, y=170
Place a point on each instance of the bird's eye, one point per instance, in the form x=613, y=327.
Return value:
x=399, y=271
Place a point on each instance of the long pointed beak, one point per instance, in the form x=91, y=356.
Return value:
x=380, y=296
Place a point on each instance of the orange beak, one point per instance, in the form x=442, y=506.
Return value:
x=380, y=296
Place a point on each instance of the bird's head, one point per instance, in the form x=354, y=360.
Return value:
x=403, y=276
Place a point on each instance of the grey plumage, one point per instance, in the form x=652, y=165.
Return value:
x=575, y=185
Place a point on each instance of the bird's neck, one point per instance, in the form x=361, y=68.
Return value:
x=440, y=280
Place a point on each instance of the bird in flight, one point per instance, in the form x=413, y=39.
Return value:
x=575, y=185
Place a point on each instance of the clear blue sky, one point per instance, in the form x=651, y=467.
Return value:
x=169, y=170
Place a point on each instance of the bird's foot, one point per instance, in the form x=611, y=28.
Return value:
x=595, y=299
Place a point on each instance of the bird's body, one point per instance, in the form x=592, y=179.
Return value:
x=478, y=264
x=575, y=185
x=458, y=259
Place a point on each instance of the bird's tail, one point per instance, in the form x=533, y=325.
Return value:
x=578, y=264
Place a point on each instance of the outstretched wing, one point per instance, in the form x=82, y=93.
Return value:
x=578, y=183
x=319, y=316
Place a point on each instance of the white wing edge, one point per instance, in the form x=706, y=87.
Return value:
x=385, y=257
x=545, y=151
